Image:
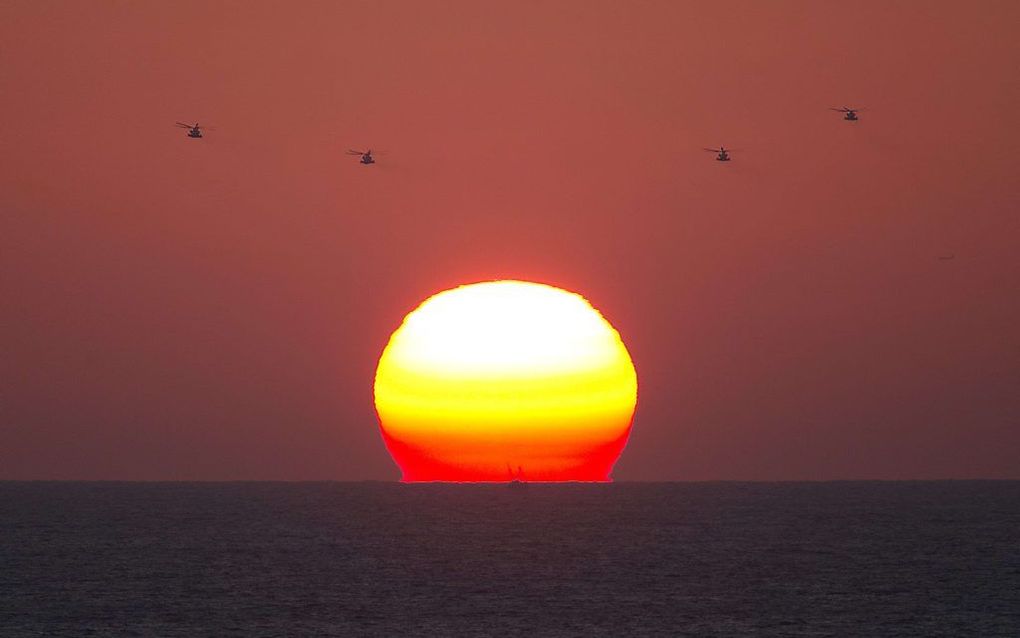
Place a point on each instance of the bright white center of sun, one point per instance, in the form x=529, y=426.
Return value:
x=505, y=327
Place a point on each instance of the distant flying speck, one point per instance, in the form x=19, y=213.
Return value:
x=194, y=130
x=851, y=114
x=724, y=155
x=366, y=156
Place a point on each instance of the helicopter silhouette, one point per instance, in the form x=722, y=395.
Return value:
x=194, y=130
x=724, y=155
x=850, y=114
x=366, y=156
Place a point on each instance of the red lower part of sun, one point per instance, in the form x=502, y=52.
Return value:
x=592, y=463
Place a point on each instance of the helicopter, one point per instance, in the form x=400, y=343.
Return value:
x=724, y=155
x=851, y=114
x=194, y=130
x=366, y=156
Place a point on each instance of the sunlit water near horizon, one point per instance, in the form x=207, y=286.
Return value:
x=623, y=559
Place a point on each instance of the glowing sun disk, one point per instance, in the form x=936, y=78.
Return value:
x=505, y=374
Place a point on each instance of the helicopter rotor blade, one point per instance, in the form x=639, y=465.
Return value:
x=183, y=125
x=353, y=152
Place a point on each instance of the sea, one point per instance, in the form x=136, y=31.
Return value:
x=620, y=559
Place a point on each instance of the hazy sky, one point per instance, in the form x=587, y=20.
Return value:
x=214, y=309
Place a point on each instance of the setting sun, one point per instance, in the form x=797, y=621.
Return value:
x=505, y=379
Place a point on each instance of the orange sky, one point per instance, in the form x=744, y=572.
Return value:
x=214, y=309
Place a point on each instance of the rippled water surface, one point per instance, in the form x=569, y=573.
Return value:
x=379, y=559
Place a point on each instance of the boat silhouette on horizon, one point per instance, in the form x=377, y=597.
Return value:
x=516, y=480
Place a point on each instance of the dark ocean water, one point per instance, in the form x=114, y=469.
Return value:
x=379, y=559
